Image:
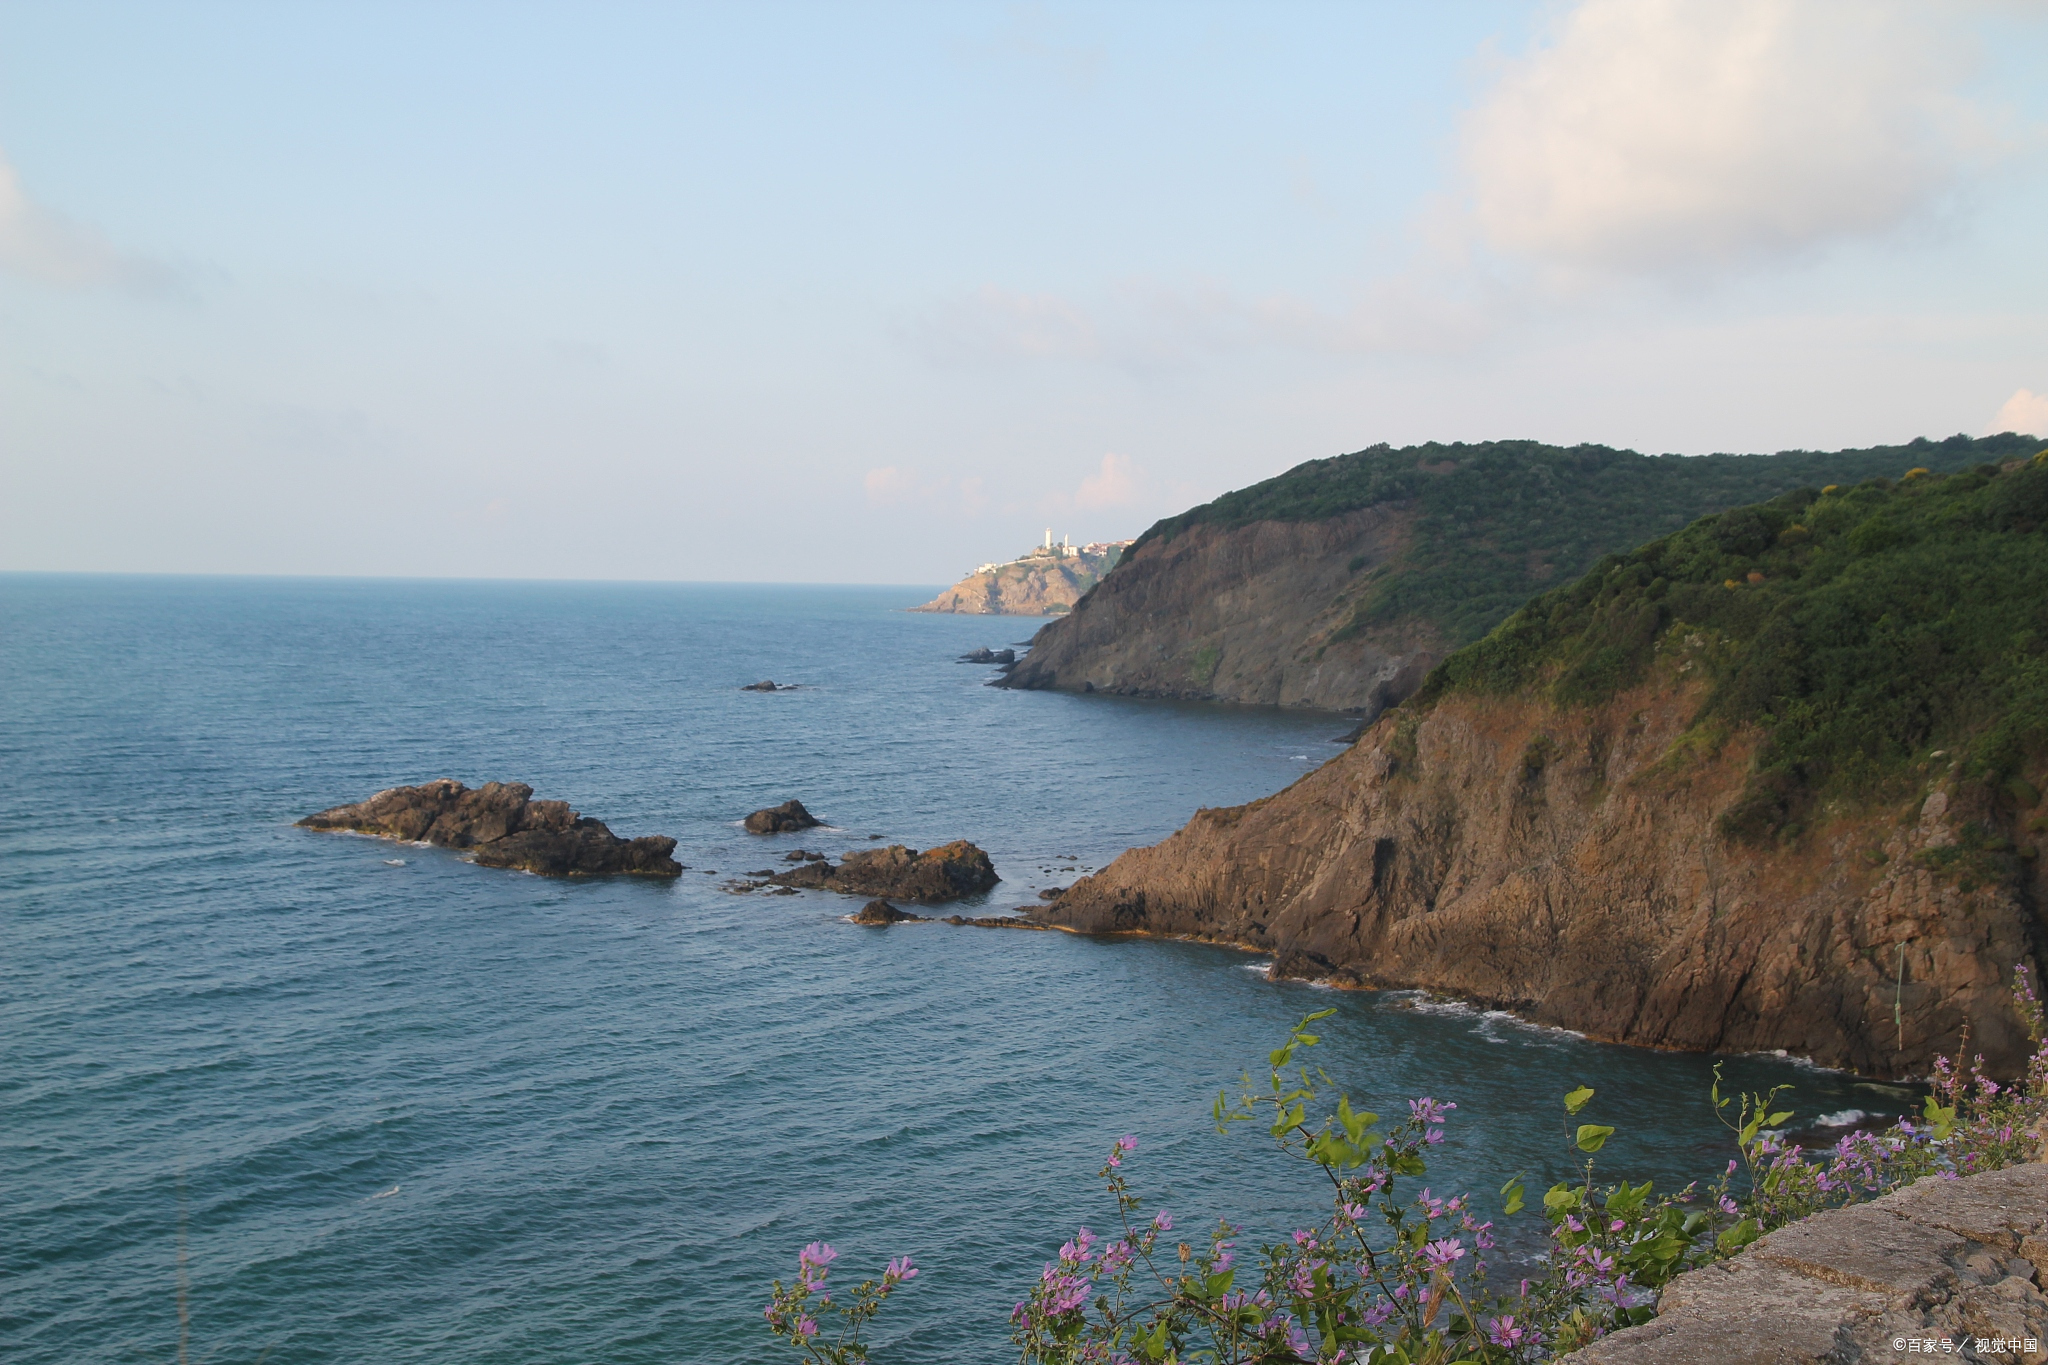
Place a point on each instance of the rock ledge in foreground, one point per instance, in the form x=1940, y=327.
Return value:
x=898, y=873
x=1952, y=1261
x=500, y=825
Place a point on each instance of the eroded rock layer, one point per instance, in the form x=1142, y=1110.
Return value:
x=500, y=825
x=1254, y=613
x=1566, y=864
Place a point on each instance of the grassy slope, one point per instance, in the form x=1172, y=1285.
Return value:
x=1502, y=520
x=1858, y=627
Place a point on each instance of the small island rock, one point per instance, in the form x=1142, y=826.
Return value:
x=985, y=655
x=500, y=825
x=881, y=912
x=937, y=874
x=786, y=818
x=765, y=685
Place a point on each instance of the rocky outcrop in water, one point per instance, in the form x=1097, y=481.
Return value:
x=881, y=912
x=1954, y=1263
x=786, y=818
x=500, y=825
x=985, y=655
x=898, y=873
x=1567, y=864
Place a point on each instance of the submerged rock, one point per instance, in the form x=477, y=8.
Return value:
x=995, y=922
x=765, y=685
x=786, y=818
x=985, y=655
x=881, y=912
x=938, y=874
x=500, y=825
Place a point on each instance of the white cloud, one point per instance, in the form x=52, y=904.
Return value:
x=888, y=485
x=894, y=486
x=2026, y=411
x=999, y=324
x=46, y=246
x=1653, y=135
x=1115, y=484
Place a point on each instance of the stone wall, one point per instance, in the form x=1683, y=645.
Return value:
x=1945, y=1267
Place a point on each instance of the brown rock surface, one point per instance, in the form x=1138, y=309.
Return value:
x=937, y=874
x=1040, y=584
x=1242, y=614
x=1953, y=1261
x=500, y=825
x=1567, y=865
x=786, y=818
x=881, y=912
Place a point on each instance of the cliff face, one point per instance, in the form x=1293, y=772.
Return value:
x=1040, y=584
x=1244, y=614
x=1337, y=584
x=1566, y=864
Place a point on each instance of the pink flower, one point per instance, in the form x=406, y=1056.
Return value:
x=1125, y=1145
x=1505, y=1331
x=1163, y=1221
x=1443, y=1253
x=899, y=1269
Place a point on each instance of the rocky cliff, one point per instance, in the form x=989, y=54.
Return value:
x=1771, y=783
x=1337, y=584
x=1042, y=583
x=1253, y=613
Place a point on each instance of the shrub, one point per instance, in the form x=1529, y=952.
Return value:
x=1396, y=1274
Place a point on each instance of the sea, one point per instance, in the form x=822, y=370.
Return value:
x=276, y=1095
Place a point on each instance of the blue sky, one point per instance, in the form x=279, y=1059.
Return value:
x=872, y=293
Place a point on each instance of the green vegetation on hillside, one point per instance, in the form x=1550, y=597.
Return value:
x=1500, y=521
x=1857, y=627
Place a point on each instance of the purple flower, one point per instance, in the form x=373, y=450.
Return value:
x=899, y=1269
x=1443, y=1253
x=1428, y=1110
x=1505, y=1331
x=1125, y=1145
x=813, y=1263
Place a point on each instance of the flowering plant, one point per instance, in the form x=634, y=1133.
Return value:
x=795, y=1312
x=1399, y=1276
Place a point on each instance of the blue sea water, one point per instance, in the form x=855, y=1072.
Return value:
x=368, y=1102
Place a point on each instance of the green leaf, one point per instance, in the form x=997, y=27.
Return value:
x=1310, y=1019
x=1561, y=1196
x=1512, y=1192
x=1593, y=1136
x=1777, y=1119
x=1737, y=1237
x=1944, y=1120
x=1576, y=1100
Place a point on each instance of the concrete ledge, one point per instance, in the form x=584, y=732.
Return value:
x=1931, y=1269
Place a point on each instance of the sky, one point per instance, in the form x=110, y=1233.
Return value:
x=877, y=292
